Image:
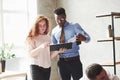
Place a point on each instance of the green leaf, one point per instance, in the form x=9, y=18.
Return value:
x=6, y=51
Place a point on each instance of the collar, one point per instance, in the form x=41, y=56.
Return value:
x=66, y=23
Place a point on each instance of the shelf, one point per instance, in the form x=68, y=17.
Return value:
x=104, y=40
x=108, y=39
x=117, y=17
x=110, y=63
x=112, y=14
x=117, y=38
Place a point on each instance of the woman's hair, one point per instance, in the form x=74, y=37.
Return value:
x=93, y=70
x=34, y=31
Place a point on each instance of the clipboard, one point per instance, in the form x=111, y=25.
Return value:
x=56, y=47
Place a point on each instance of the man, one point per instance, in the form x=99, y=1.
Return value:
x=97, y=72
x=69, y=62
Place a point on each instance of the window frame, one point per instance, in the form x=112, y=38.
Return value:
x=29, y=16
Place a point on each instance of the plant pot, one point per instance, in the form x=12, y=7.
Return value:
x=3, y=65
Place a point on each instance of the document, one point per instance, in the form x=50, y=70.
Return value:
x=73, y=39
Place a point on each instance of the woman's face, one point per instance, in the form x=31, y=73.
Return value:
x=42, y=26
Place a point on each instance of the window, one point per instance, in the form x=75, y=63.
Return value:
x=15, y=19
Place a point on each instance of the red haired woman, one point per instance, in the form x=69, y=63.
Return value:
x=38, y=42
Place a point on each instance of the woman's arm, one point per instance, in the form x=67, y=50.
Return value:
x=35, y=52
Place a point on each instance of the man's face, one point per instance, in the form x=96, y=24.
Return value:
x=60, y=19
x=102, y=76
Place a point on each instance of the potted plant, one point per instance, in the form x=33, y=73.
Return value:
x=6, y=53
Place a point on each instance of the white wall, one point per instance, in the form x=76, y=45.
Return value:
x=85, y=12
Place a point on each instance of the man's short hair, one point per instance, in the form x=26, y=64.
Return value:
x=60, y=11
x=93, y=70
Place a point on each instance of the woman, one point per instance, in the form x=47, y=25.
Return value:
x=38, y=42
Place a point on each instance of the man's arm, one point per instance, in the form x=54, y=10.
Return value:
x=81, y=34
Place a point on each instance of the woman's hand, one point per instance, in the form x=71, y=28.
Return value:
x=45, y=45
x=55, y=53
x=61, y=50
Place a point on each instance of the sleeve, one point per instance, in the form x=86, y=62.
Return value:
x=32, y=50
x=112, y=76
x=79, y=29
x=29, y=47
x=53, y=39
x=115, y=78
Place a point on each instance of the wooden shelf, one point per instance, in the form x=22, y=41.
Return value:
x=111, y=14
x=108, y=39
x=110, y=63
x=104, y=40
x=117, y=38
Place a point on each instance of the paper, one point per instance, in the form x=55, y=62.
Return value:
x=73, y=39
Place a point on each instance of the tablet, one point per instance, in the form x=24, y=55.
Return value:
x=56, y=47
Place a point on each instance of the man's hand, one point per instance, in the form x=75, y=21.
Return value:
x=80, y=37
